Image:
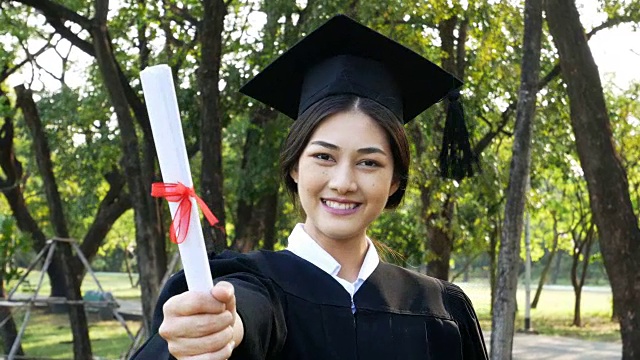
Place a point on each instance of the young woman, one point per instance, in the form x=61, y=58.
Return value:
x=346, y=158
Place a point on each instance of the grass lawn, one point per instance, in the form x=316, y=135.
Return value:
x=554, y=313
x=48, y=335
x=116, y=283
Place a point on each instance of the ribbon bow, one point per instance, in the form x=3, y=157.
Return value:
x=181, y=194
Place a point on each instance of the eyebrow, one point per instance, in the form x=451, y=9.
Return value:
x=366, y=150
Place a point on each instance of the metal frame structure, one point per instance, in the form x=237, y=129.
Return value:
x=49, y=249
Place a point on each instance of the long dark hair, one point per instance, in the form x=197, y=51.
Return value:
x=301, y=131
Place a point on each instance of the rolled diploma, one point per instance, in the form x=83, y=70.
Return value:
x=162, y=106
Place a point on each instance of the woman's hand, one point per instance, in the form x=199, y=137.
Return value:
x=202, y=326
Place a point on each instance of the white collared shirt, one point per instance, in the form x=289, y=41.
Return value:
x=302, y=245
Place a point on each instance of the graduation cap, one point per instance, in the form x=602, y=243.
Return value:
x=345, y=57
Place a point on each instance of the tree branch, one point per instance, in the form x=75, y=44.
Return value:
x=7, y=70
x=488, y=137
x=111, y=207
x=102, y=9
x=185, y=15
x=51, y=9
x=73, y=38
x=544, y=81
x=31, y=117
x=611, y=22
x=55, y=20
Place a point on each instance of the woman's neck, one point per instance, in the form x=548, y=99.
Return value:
x=349, y=254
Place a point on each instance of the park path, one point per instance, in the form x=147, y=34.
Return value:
x=542, y=347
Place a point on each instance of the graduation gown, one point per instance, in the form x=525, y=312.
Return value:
x=293, y=310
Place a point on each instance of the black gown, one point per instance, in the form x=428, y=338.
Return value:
x=293, y=310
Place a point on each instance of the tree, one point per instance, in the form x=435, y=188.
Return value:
x=256, y=203
x=77, y=316
x=504, y=307
x=8, y=245
x=183, y=31
x=583, y=237
x=606, y=178
x=547, y=266
x=139, y=168
x=124, y=101
x=211, y=26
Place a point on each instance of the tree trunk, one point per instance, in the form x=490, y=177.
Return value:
x=441, y=243
x=8, y=331
x=504, y=307
x=270, y=211
x=257, y=205
x=606, y=178
x=211, y=182
x=547, y=266
x=543, y=275
x=581, y=249
x=464, y=272
x=111, y=207
x=13, y=172
x=440, y=237
x=13, y=193
x=493, y=245
x=577, y=321
x=261, y=225
x=556, y=268
x=77, y=316
x=150, y=244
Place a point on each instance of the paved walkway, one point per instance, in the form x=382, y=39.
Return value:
x=541, y=347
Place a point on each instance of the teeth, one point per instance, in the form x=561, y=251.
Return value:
x=340, y=206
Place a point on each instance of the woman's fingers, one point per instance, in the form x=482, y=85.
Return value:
x=210, y=344
x=222, y=354
x=191, y=303
x=196, y=326
x=224, y=292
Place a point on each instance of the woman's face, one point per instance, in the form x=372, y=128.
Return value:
x=344, y=177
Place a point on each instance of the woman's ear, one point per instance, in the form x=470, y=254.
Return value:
x=395, y=185
x=294, y=174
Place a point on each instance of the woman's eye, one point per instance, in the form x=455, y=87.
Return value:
x=369, y=163
x=322, y=156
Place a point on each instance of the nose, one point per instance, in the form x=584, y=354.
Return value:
x=343, y=179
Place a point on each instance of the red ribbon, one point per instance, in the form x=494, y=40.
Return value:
x=181, y=194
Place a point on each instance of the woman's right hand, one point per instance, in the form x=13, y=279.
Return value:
x=200, y=325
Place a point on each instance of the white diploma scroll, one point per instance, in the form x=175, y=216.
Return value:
x=162, y=106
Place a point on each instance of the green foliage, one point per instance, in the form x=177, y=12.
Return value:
x=83, y=150
x=10, y=244
x=624, y=112
x=402, y=235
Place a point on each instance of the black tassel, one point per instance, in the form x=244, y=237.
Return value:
x=456, y=158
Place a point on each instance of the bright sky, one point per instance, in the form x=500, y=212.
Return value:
x=616, y=51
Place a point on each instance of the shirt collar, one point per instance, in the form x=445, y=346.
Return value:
x=302, y=245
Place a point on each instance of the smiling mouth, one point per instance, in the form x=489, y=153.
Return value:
x=340, y=205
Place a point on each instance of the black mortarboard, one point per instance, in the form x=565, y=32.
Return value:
x=345, y=57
